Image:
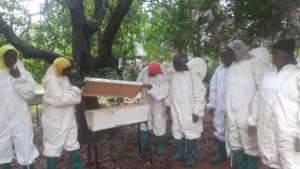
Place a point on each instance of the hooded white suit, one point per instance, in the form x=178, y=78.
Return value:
x=279, y=125
x=217, y=100
x=242, y=96
x=58, y=117
x=155, y=97
x=187, y=97
x=15, y=119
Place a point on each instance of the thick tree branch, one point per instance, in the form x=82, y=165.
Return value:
x=92, y=25
x=80, y=36
x=105, y=45
x=28, y=50
x=99, y=10
x=77, y=12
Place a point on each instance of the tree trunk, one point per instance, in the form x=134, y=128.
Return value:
x=105, y=46
x=88, y=103
x=82, y=32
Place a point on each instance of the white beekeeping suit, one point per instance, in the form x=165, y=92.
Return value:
x=217, y=100
x=278, y=126
x=187, y=98
x=198, y=66
x=59, y=125
x=243, y=88
x=187, y=102
x=15, y=119
x=155, y=98
x=58, y=117
x=262, y=62
x=265, y=126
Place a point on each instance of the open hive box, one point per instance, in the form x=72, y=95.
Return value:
x=105, y=118
x=37, y=99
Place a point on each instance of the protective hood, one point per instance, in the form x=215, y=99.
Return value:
x=4, y=49
x=240, y=50
x=198, y=66
x=60, y=64
x=261, y=53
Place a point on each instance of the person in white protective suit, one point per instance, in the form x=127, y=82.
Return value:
x=198, y=66
x=279, y=125
x=262, y=57
x=216, y=103
x=187, y=102
x=243, y=88
x=155, y=90
x=58, y=117
x=16, y=86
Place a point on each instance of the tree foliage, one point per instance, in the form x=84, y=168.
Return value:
x=96, y=34
x=89, y=32
x=201, y=27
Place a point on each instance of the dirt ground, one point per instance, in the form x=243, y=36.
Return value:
x=118, y=149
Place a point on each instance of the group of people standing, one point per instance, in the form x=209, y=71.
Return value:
x=183, y=94
x=58, y=117
x=256, y=105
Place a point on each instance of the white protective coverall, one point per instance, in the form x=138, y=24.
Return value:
x=217, y=100
x=155, y=97
x=198, y=66
x=242, y=96
x=187, y=97
x=58, y=118
x=262, y=59
x=15, y=119
x=279, y=125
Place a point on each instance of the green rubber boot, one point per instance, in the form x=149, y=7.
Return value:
x=160, y=144
x=191, y=152
x=75, y=159
x=28, y=166
x=180, y=145
x=145, y=140
x=221, y=154
x=239, y=159
x=252, y=162
x=51, y=162
x=5, y=166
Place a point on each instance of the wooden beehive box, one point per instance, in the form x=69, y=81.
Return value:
x=37, y=99
x=110, y=117
x=112, y=88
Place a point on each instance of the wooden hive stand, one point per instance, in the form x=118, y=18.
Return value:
x=111, y=117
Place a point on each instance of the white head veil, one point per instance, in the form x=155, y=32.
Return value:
x=240, y=50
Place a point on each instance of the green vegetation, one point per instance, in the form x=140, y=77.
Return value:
x=150, y=30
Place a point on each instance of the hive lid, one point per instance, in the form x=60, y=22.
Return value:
x=111, y=88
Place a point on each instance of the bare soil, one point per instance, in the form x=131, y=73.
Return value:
x=118, y=149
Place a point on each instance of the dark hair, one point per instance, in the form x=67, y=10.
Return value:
x=286, y=45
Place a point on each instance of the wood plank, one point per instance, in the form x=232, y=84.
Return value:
x=111, y=88
x=101, y=119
